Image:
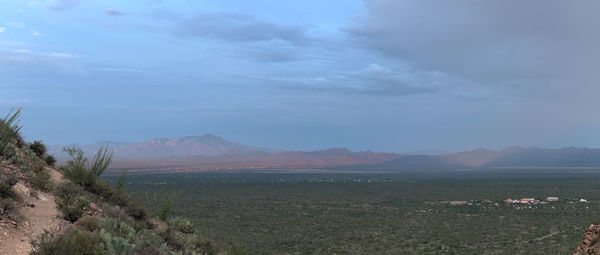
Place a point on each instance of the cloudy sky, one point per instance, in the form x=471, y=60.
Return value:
x=385, y=75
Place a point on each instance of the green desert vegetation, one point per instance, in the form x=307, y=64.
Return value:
x=358, y=214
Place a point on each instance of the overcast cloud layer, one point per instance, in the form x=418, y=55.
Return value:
x=385, y=75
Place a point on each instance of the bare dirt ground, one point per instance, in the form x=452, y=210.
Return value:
x=38, y=212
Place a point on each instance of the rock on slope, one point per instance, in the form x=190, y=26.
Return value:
x=591, y=241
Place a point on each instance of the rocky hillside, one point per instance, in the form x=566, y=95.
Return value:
x=591, y=241
x=26, y=210
x=73, y=211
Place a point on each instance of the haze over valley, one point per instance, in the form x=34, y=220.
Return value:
x=211, y=153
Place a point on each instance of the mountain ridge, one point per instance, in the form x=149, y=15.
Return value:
x=220, y=153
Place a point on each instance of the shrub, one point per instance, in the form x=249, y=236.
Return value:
x=115, y=212
x=39, y=148
x=79, y=170
x=42, y=180
x=182, y=224
x=75, y=168
x=71, y=241
x=50, y=160
x=187, y=243
x=137, y=210
x=88, y=223
x=6, y=183
x=115, y=245
x=148, y=242
x=73, y=207
x=70, y=201
x=203, y=246
x=118, y=228
x=6, y=204
x=65, y=189
x=174, y=238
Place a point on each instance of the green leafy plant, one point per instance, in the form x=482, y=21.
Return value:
x=79, y=170
x=101, y=161
x=9, y=131
x=75, y=168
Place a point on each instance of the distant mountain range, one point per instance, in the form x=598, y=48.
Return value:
x=210, y=152
x=205, y=145
x=511, y=157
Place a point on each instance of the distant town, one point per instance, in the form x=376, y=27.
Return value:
x=510, y=201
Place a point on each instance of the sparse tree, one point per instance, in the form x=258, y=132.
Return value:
x=39, y=148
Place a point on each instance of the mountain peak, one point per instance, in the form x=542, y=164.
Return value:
x=204, y=145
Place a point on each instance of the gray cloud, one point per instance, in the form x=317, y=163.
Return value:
x=113, y=12
x=509, y=43
x=240, y=28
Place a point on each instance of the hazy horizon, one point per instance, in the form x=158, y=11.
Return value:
x=379, y=75
x=54, y=148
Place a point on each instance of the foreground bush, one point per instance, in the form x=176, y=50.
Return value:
x=71, y=202
x=6, y=183
x=90, y=235
x=181, y=224
x=42, y=180
x=50, y=160
x=69, y=242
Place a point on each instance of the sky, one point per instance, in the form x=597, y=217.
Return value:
x=382, y=75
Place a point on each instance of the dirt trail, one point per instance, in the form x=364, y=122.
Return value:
x=39, y=214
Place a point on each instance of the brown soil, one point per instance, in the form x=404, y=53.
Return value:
x=38, y=212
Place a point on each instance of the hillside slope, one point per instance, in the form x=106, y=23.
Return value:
x=44, y=212
x=36, y=213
